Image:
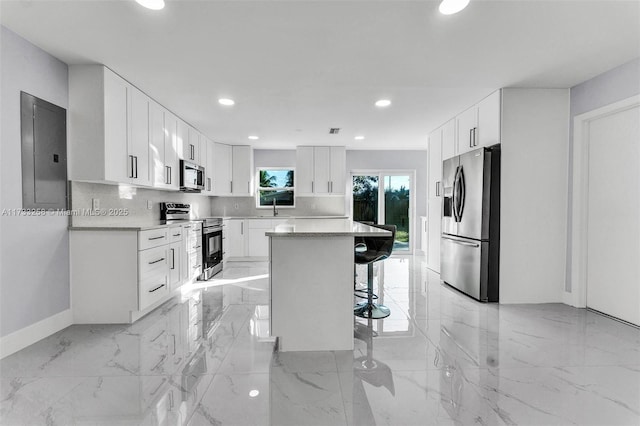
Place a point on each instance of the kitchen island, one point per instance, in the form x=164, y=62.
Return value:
x=311, y=270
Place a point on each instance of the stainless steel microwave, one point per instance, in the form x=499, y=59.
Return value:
x=191, y=177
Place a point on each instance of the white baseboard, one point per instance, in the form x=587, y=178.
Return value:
x=12, y=343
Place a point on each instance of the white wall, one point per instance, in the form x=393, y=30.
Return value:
x=397, y=160
x=614, y=85
x=533, y=195
x=34, y=251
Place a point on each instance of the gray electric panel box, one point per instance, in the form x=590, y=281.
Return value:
x=44, y=154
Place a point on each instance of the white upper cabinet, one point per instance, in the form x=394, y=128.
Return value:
x=434, y=196
x=489, y=114
x=108, y=128
x=164, y=164
x=221, y=169
x=448, y=139
x=480, y=125
x=467, y=128
x=320, y=170
x=242, y=170
x=208, y=148
x=182, y=140
x=191, y=150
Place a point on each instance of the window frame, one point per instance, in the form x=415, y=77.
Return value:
x=291, y=189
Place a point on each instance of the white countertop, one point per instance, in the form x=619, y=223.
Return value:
x=326, y=228
x=284, y=216
x=131, y=226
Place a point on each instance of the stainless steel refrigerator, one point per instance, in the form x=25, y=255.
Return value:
x=470, y=244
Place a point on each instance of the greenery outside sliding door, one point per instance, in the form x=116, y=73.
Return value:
x=384, y=198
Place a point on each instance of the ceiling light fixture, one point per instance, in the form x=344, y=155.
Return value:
x=449, y=7
x=151, y=4
x=254, y=137
x=383, y=103
x=225, y=101
x=359, y=138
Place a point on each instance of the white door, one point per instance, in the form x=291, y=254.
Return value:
x=613, y=227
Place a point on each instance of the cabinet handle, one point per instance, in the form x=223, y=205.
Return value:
x=136, y=160
x=174, y=343
x=131, y=166
x=196, y=267
x=192, y=154
x=331, y=186
x=241, y=228
x=475, y=139
x=155, y=238
x=231, y=186
x=173, y=258
x=176, y=235
x=470, y=138
x=157, y=288
x=197, y=246
x=156, y=261
x=162, y=358
x=209, y=183
x=312, y=186
x=249, y=187
x=170, y=177
x=157, y=337
x=328, y=186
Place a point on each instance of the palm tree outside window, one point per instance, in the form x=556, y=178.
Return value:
x=275, y=184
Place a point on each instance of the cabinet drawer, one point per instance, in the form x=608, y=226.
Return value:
x=152, y=238
x=153, y=287
x=157, y=258
x=175, y=233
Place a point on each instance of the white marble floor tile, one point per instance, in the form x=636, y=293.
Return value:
x=441, y=358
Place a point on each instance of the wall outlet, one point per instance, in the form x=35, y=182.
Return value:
x=236, y=206
x=149, y=205
x=95, y=203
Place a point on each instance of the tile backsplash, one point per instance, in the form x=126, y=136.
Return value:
x=124, y=204
x=305, y=206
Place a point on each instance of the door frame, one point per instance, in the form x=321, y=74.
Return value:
x=577, y=294
x=412, y=197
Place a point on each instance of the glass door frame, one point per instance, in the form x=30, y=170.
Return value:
x=381, y=174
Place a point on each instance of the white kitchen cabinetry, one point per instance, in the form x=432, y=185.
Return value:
x=191, y=149
x=449, y=139
x=320, y=170
x=242, y=170
x=108, y=129
x=164, y=164
x=208, y=150
x=434, y=196
x=479, y=125
x=234, y=239
x=117, y=276
x=424, y=233
x=192, y=249
x=245, y=239
x=221, y=169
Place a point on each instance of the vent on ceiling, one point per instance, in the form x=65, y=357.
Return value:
x=334, y=130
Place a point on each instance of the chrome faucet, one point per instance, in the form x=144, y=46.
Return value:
x=275, y=212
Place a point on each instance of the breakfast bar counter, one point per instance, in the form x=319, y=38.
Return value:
x=311, y=270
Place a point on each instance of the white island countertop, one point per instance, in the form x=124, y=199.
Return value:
x=325, y=228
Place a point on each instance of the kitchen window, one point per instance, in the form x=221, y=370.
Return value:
x=275, y=185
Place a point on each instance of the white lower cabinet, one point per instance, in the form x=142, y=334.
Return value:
x=117, y=276
x=245, y=238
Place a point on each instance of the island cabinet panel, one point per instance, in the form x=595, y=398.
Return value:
x=327, y=275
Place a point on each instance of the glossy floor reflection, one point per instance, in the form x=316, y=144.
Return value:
x=206, y=358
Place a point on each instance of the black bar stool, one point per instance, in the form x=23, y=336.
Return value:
x=377, y=248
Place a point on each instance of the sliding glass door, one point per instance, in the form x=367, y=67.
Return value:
x=385, y=198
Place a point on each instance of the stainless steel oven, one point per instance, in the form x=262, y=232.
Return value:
x=211, y=247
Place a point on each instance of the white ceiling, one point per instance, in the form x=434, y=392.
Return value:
x=297, y=68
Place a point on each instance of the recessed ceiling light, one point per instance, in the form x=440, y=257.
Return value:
x=151, y=4
x=225, y=101
x=359, y=138
x=254, y=137
x=383, y=103
x=449, y=7
x=254, y=392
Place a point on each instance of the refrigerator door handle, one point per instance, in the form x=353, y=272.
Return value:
x=461, y=185
x=456, y=195
x=462, y=243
